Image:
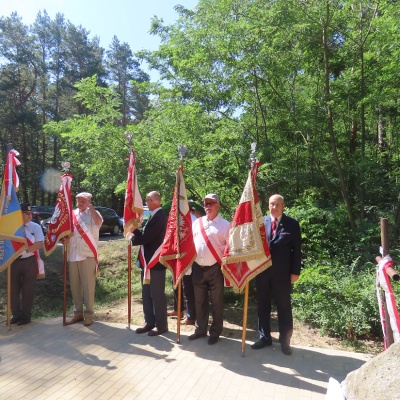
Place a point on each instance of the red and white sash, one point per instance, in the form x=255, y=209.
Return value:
x=215, y=251
x=86, y=236
x=40, y=274
x=384, y=265
x=148, y=266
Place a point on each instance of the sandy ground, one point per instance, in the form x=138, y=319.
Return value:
x=303, y=335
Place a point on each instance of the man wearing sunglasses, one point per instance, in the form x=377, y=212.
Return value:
x=210, y=234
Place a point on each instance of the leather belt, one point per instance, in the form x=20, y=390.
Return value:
x=207, y=267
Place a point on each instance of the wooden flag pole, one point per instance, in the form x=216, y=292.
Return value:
x=245, y=313
x=178, y=324
x=129, y=283
x=65, y=251
x=8, y=297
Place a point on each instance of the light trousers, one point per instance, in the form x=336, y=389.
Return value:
x=82, y=279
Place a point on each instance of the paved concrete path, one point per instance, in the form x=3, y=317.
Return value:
x=45, y=360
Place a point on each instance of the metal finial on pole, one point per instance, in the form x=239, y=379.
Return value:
x=129, y=136
x=253, y=158
x=182, y=151
x=65, y=166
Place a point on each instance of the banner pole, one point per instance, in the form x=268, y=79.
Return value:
x=178, y=324
x=65, y=249
x=129, y=283
x=8, y=297
x=245, y=313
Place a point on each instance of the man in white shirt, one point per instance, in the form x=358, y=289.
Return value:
x=83, y=262
x=24, y=270
x=210, y=234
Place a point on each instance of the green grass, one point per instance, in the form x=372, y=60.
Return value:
x=111, y=285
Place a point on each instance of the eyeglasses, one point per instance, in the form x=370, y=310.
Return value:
x=209, y=204
x=27, y=212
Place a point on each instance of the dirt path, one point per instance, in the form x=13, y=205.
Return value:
x=303, y=335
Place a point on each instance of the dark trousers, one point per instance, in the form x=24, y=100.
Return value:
x=154, y=300
x=268, y=287
x=208, y=280
x=23, y=280
x=188, y=293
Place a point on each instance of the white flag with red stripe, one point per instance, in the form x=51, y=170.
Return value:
x=133, y=207
x=247, y=251
x=10, y=172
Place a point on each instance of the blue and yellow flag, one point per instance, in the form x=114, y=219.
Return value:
x=12, y=236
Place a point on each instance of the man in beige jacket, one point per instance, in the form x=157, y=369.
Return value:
x=83, y=262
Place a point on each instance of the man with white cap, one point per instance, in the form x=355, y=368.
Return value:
x=83, y=260
x=210, y=234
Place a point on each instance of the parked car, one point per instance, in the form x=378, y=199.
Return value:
x=39, y=213
x=111, y=221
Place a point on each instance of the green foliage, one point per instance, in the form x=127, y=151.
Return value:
x=337, y=301
x=313, y=84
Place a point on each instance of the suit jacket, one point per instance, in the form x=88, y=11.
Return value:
x=152, y=236
x=285, y=247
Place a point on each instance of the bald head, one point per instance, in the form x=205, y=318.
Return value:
x=153, y=200
x=276, y=205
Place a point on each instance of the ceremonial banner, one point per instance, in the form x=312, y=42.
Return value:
x=61, y=221
x=178, y=251
x=12, y=236
x=10, y=173
x=133, y=207
x=247, y=251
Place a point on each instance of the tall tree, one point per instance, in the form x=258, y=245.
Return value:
x=123, y=69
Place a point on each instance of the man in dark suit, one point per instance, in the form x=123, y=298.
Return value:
x=153, y=292
x=284, y=239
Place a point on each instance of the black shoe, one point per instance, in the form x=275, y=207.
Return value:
x=156, y=332
x=195, y=336
x=24, y=321
x=286, y=349
x=15, y=320
x=260, y=344
x=213, y=339
x=144, y=329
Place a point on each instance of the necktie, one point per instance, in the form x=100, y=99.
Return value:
x=273, y=228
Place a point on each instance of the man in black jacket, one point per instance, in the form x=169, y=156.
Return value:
x=284, y=239
x=153, y=292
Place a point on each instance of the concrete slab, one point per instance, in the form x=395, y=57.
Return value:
x=45, y=360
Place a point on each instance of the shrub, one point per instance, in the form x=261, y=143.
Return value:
x=338, y=301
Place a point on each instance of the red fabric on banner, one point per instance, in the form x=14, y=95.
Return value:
x=133, y=207
x=247, y=251
x=10, y=173
x=178, y=251
x=61, y=221
x=245, y=215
